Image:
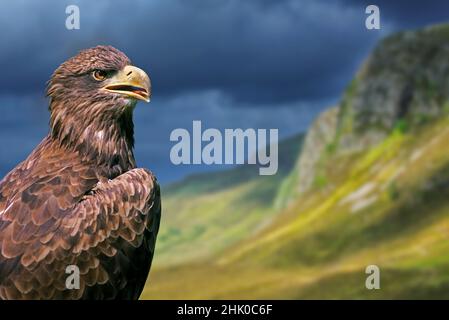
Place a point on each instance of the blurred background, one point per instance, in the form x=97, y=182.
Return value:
x=362, y=114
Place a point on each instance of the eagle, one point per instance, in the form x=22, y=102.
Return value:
x=78, y=206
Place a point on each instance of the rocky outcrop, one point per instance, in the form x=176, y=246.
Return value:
x=404, y=79
x=404, y=82
x=319, y=137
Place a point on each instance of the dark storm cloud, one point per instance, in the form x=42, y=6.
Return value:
x=255, y=51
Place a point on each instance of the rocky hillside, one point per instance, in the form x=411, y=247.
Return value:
x=369, y=186
x=403, y=84
x=405, y=80
x=318, y=141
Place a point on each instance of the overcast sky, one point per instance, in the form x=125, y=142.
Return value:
x=248, y=64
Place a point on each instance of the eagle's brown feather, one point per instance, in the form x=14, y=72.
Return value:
x=78, y=200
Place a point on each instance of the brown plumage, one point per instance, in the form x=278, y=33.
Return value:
x=78, y=199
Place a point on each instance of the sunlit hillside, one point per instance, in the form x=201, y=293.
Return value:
x=377, y=193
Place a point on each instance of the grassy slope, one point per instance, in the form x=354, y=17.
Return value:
x=207, y=213
x=388, y=206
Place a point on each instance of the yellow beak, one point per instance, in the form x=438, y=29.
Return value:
x=130, y=81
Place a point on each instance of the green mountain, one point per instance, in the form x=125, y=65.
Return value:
x=368, y=185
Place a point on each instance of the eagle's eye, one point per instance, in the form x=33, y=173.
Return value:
x=99, y=75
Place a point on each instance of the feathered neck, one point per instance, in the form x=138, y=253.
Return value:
x=100, y=135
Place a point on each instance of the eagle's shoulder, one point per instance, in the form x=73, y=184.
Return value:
x=49, y=174
x=56, y=212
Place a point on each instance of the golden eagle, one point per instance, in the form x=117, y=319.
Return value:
x=78, y=200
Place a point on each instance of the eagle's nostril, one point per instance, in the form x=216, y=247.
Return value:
x=129, y=73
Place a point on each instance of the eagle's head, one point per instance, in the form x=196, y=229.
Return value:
x=100, y=74
x=93, y=91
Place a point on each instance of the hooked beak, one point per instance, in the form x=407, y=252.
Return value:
x=131, y=81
